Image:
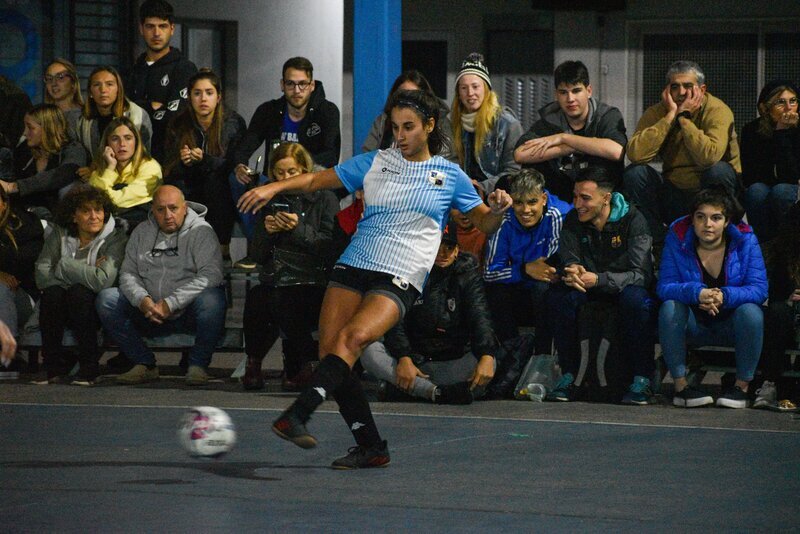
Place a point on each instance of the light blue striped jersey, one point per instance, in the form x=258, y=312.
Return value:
x=406, y=205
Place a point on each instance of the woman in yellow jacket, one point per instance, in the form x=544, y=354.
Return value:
x=126, y=171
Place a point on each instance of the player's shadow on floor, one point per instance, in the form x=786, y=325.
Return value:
x=241, y=470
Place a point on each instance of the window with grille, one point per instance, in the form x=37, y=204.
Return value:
x=737, y=57
x=100, y=35
x=524, y=94
x=730, y=63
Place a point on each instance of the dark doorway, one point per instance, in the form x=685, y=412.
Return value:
x=430, y=58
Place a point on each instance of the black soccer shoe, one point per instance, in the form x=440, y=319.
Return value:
x=359, y=457
x=290, y=428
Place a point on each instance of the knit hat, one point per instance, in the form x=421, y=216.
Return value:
x=772, y=86
x=474, y=65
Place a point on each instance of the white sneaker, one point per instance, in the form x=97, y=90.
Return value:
x=766, y=395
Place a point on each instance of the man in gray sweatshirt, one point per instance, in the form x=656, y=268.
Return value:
x=170, y=281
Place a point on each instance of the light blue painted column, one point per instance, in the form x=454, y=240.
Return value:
x=376, y=60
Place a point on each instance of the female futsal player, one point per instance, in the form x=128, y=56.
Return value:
x=408, y=193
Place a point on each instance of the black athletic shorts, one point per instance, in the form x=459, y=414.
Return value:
x=365, y=282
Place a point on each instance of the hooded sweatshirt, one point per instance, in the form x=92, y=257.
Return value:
x=318, y=132
x=176, y=279
x=620, y=253
x=164, y=81
x=603, y=121
x=60, y=264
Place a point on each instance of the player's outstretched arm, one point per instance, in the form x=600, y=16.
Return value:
x=258, y=197
x=488, y=218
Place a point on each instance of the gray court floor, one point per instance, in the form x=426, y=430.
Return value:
x=107, y=459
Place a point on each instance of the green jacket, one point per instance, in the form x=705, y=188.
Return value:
x=55, y=269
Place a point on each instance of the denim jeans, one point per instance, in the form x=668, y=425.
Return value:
x=637, y=317
x=766, y=207
x=678, y=328
x=15, y=308
x=248, y=220
x=661, y=202
x=204, y=317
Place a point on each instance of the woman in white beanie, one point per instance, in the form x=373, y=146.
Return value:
x=484, y=134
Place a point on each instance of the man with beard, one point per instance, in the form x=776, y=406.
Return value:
x=301, y=115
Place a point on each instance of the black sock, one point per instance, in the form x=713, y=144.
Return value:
x=330, y=374
x=356, y=412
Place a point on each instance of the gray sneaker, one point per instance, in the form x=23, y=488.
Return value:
x=766, y=395
x=139, y=374
x=196, y=376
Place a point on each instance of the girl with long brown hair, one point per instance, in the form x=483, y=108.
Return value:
x=200, y=143
x=105, y=101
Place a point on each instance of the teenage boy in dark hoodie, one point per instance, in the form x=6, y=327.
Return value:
x=301, y=115
x=573, y=132
x=159, y=78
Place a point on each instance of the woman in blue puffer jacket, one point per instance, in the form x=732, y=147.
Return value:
x=712, y=281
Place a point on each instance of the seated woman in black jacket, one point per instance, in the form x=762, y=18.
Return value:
x=46, y=161
x=200, y=144
x=771, y=158
x=293, y=244
x=444, y=349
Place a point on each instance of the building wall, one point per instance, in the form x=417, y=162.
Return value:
x=600, y=40
x=270, y=32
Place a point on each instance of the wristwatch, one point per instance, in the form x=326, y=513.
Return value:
x=685, y=114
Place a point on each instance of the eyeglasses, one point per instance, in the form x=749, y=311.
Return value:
x=782, y=103
x=57, y=77
x=158, y=252
x=290, y=85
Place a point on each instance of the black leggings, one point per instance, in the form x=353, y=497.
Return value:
x=71, y=307
x=293, y=310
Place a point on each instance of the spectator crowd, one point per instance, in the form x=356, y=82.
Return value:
x=119, y=199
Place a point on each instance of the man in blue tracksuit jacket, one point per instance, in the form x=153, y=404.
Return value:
x=516, y=271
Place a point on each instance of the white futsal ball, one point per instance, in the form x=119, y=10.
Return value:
x=206, y=431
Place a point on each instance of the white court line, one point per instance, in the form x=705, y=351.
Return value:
x=431, y=416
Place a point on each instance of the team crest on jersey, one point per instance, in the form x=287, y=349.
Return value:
x=158, y=115
x=436, y=178
x=165, y=80
x=451, y=304
x=173, y=106
x=400, y=282
x=616, y=241
x=313, y=130
x=184, y=93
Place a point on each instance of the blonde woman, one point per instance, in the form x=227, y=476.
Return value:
x=293, y=241
x=125, y=170
x=45, y=161
x=106, y=100
x=484, y=134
